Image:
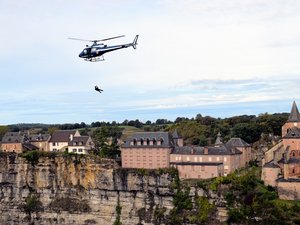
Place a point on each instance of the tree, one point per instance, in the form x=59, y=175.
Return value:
x=106, y=141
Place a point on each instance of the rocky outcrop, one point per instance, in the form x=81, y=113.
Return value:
x=80, y=190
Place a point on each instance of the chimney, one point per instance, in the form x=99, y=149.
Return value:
x=205, y=150
x=192, y=151
x=71, y=137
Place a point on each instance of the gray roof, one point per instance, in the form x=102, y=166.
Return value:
x=38, y=137
x=294, y=161
x=79, y=141
x=212, y=150
x=62, y=135
x=237, y=142
x=164, y=136
x=29, y=147
x=294, y=132
x=271, y=164
x=294, y=116
x=198, y=163
x=12, y=137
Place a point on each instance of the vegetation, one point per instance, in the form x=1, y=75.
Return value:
x=118, y=211
x=33, y=156
x=32, y=204
x=70, y=205
x=106, y=141
x=250, y=202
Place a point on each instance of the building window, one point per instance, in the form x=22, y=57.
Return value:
x=200, y=159
x=196, y=159
x=74, y=150
x=225, y=159
x=53, y=144
x=148, y=141
x=226, y=167
x=80, y=150
x=154, y=141
x=209, y=159
x=187, y=158
x=218, y=159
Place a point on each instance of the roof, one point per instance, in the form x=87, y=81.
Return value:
x=164, y=136
x=198, y=163
x=62, y=135
x=29, y=146
x=237, y=142
x=294, y=161
x=212, y=150
x=38, y=137
x=294, y=132
x=271, y=164
x=12, y=137
x=294, y=115
x=79, y=141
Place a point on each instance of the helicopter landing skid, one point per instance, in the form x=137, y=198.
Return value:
x=95, y=59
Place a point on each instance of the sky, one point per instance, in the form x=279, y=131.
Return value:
x=219, y=58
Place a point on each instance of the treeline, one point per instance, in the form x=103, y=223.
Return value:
x=199, y=130
x=203, y=130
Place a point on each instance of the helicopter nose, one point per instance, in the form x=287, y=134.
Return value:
x=80, y=54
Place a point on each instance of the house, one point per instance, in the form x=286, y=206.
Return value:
x=147, y=150
x=17, y=142
x=40, y=141
x=281, y=166
x=70, y=141
x=195, y=162
x=80, y=145
x=60, y=139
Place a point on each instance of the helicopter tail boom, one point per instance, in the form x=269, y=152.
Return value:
x=134, y=43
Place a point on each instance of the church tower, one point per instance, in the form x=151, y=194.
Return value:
x=291, y=143
x=293, y=120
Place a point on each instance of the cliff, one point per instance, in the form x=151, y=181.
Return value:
x=82, y=190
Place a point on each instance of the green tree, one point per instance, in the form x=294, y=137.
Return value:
x=106, y=141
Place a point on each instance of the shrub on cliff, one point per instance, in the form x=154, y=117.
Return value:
x=69, y=205
x=32, y=204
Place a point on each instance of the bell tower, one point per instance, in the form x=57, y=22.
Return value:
x=293, y=120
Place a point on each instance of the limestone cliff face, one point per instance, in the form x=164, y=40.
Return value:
x=79, y=190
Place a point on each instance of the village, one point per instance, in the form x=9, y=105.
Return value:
x=154, y=150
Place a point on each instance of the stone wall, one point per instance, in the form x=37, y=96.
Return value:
x=289, y=190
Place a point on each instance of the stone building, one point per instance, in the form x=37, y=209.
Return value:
x=70, y=141
x=194, y=162
x=282, y=163
x=19, y=142
x=147, y=150
x=153, y=150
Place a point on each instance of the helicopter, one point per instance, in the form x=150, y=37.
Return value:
x=94, y=53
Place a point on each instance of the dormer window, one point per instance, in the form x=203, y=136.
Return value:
x=154, y=141
x=134, y=142
x=142, y=141
x=161, y=141
x=148, y=141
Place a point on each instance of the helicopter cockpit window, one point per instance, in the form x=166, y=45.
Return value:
x=84, y=51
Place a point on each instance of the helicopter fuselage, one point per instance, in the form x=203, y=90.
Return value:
x=92, y=52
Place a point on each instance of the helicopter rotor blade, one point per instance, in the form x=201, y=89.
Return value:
x=77, y=39
x=106, y=39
